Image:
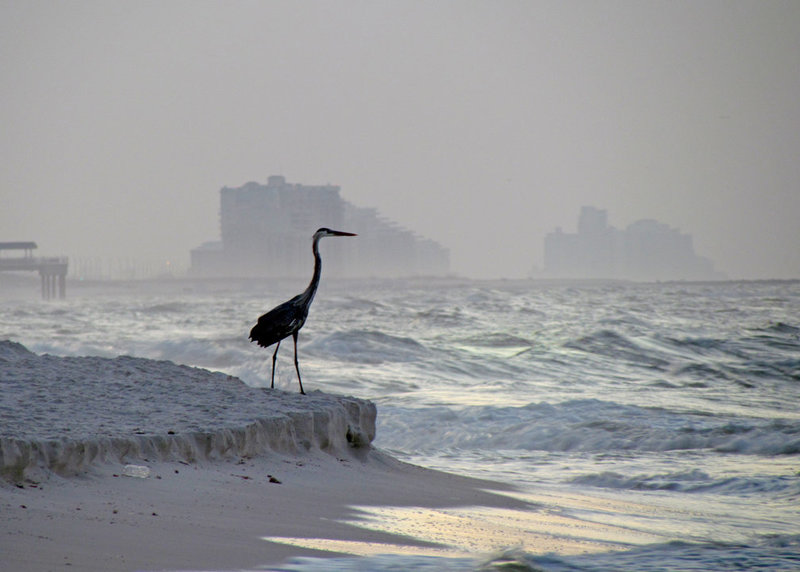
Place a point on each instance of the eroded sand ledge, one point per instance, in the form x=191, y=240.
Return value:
x=66, y=414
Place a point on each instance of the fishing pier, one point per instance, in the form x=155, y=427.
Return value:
x=52, y=270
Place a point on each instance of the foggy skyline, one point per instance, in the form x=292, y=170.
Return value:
x=482, y=125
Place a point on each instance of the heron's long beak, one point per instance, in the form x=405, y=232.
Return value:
x=340, y=233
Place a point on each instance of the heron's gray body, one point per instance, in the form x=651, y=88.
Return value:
x=280, y=322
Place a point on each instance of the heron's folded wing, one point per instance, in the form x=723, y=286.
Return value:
x=276, y=324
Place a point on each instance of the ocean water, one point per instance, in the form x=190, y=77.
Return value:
x=655, y=426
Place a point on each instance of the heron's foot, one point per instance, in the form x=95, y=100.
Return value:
x=302, y=392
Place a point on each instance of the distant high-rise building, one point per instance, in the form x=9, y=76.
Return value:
x=645, y=250
x=266, y=231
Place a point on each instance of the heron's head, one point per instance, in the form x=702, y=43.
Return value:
x=322, y=232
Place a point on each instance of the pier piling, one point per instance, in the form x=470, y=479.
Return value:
x=53, y=271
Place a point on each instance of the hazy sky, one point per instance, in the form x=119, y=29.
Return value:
x=483, y=125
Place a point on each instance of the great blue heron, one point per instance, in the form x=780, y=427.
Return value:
x=286, y=319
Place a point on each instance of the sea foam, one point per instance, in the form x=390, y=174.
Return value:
x=63, y=414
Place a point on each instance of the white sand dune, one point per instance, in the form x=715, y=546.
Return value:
x=63, y=415
x=238, y=477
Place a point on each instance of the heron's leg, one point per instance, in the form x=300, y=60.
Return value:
x=274, y=357
x=296, y=365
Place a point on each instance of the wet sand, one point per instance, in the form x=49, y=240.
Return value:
x=223, y=514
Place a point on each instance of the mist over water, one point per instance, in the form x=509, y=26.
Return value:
x=666, y=409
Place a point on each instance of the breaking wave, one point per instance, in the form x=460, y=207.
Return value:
x=693, y=481
x=587, y=425
x=366, y=346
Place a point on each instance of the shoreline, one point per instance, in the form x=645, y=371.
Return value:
x=230, y=469
x=236, y=477
x=223, y=514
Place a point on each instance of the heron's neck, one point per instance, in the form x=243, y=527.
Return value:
x=312, y=286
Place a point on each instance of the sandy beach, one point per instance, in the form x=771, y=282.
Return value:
x=230, y=476
x=133, y=464
x=225, y=515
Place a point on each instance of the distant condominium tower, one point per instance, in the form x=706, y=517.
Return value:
x=266, y=231
x=645, y=250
